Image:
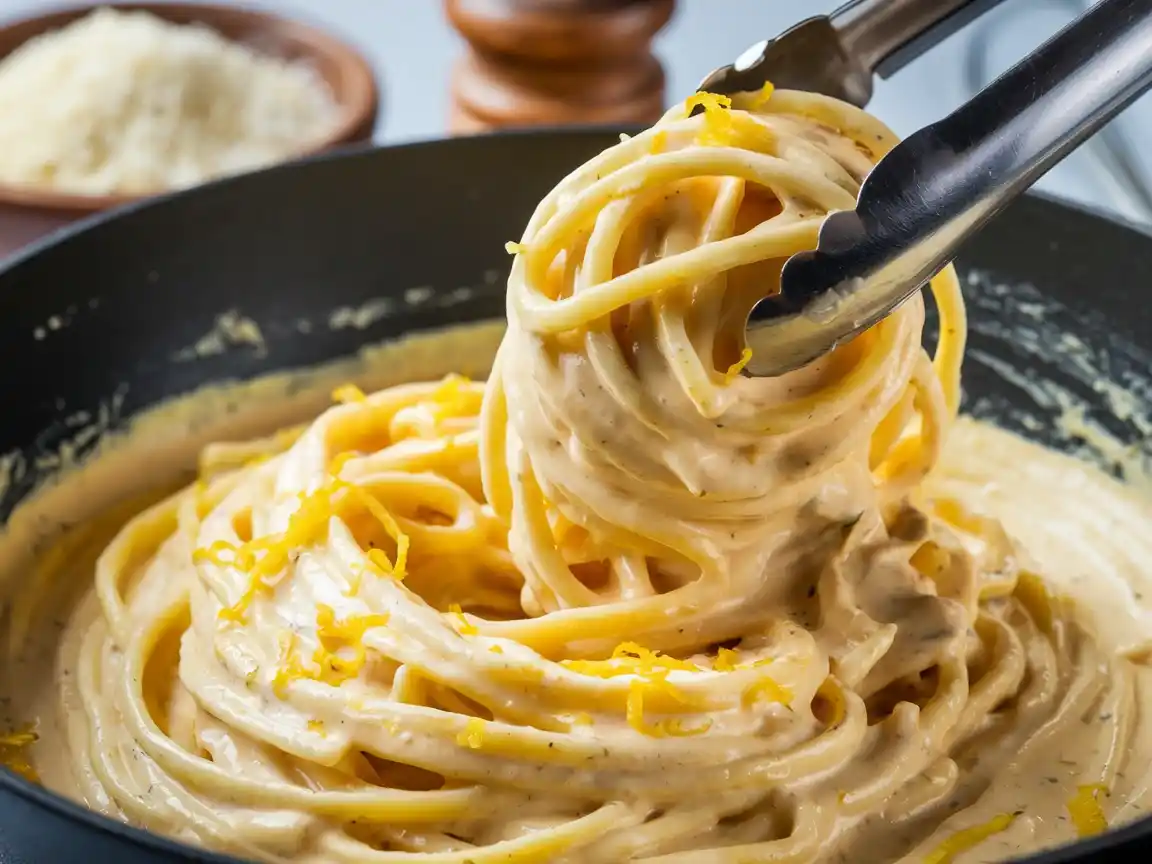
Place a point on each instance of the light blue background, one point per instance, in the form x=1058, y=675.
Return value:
x=412, y=47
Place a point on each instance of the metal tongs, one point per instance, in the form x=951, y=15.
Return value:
x=942, y=184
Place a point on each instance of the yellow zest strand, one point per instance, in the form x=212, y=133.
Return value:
x=629, y=659
x=347, y=394
x=717, y=128
x=669, y=728
x=340, y=656
x=969, y=838
x=463, y=626
x=267, y=557
x=1086, y=812
x=472, y=736
x=290, y=669
x=725, y=660
x=763, y=96
x=14, y=752
x=767, y=690
x=347, y=635
x=514, y=248
x=736, y=368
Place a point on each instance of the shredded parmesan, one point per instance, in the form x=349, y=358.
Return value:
x=125, y=102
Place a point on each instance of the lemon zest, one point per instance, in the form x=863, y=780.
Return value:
x=766, y=690
x=290, y=668
x=463, y=626
x=454, y=399
x=762, y=96
x=629, y=659
x=347, y=394
x=472, y=735
x=340, y=656
x=1085, y=810
x=514, y=248
x=725, y=660
x=736, y=368
x=14, y=752
x=264, y=559
x=638, y=689
x=717, y=127
x=964, y=840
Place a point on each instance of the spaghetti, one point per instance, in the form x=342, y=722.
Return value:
x=621, y=603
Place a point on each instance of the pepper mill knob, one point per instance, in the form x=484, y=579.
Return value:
x=556, y=62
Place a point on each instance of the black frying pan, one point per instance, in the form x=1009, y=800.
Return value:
x=100, y=311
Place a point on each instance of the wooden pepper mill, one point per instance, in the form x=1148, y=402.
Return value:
x=556, y=62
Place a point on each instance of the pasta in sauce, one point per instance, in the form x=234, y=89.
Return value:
x=621, y=603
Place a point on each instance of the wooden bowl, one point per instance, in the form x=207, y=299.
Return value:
x=27, y=212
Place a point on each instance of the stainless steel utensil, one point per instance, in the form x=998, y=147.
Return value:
x=839, y=54
x=942, y=184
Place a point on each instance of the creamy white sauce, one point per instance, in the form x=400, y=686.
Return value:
x=1086, y=532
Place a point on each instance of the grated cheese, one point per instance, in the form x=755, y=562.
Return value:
x=125, y=102
x=1086, y=812
x=967, y=839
